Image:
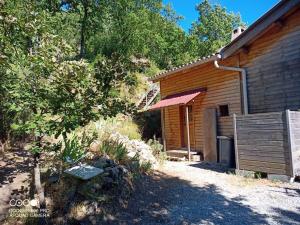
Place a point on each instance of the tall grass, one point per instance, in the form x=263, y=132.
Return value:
x=121, y=124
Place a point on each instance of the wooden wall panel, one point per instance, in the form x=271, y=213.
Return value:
x=262, y=143
x=223, y=87
x=172, y=127
x=273, y=68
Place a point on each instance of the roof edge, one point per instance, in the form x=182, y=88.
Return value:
x=184, y=67
x=256, y=29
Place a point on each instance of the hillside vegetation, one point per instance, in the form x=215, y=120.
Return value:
x=71, y=73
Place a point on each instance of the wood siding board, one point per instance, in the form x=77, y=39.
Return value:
x=223, y=87
x=262, y=142
x=273, y=67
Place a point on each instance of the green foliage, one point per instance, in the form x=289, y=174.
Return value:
x=76, y=147
x=49, y=86
x=213, y=28
x=157, y=150
x=114, y=149
x=145, y=167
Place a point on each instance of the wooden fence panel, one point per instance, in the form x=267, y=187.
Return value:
x=262, y=143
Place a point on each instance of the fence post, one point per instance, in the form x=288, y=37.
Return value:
x=290, y=138
x=235, y=143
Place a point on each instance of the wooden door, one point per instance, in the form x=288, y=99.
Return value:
x=210, y=135
x=184, y=128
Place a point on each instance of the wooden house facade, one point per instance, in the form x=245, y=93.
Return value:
x=258, y=72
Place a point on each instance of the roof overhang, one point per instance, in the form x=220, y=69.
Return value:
x=182, y=98
x=260, y=26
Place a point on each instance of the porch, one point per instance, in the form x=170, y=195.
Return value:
x=183, y=154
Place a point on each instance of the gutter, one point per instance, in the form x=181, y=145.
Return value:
x=244, y=80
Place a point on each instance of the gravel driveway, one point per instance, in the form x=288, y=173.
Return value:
x=199, y=193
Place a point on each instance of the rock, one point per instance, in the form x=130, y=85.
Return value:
x=136, y=148
x=113, y=172
x=100, y=163
x=123, y=170
x=53, y=179
x=107, y=183
x=97, y=186
x=104, y=162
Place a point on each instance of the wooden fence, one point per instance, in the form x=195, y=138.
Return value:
x=268, y=142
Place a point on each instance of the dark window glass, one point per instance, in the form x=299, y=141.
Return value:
x=224, y=110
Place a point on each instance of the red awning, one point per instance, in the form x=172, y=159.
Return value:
x=178, y=99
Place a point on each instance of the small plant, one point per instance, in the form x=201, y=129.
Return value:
x=75, y=148
x=145, y=167
x=114, y=149
x=157, y=150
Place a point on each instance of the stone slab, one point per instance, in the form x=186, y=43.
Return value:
x=84, y=172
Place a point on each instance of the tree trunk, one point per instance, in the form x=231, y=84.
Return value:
x=39, y=190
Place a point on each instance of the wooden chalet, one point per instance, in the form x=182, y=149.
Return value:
x=249, y=91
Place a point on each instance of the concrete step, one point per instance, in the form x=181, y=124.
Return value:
x=181, y=155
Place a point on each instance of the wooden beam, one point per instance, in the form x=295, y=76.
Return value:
x=188, y=132
x=237, y=163
x=290, y=142
x=162, y=118
x=279, y=23
x=245, y=49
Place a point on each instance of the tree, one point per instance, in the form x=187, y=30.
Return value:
x=213, y=29
x=45, y=91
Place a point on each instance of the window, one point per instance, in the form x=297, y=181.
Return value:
x=224, y=110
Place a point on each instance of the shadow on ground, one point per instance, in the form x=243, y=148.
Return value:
x=12, y=163
x=216, y=167
x=287, y=217
x=161, y=199
x=15, y=176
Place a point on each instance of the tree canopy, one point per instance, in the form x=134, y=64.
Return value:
x=213, y=28
x=65, y=62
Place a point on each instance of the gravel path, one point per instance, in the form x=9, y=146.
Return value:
x=198, y=193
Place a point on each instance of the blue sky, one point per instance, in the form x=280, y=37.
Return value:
x=250, y=10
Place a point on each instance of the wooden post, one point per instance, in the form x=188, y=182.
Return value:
x=235, y=143
x=162, y=118
x=290, y=141
x=188, y=132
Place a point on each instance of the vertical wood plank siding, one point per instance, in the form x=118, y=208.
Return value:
x=223, y=87
x=273, y=68
x=295, y=139
x=262, y=143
